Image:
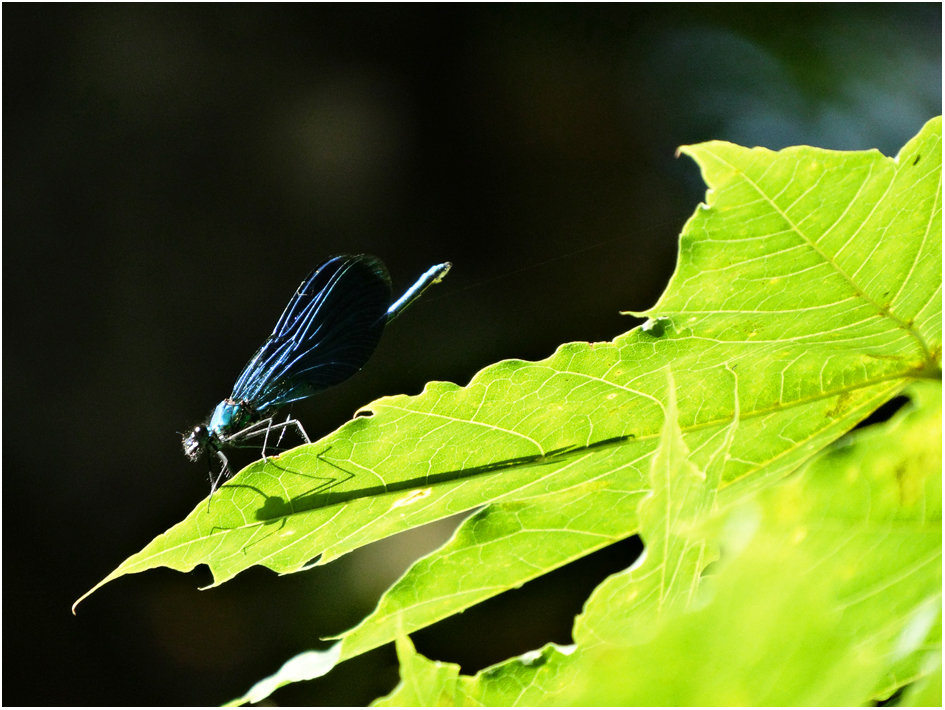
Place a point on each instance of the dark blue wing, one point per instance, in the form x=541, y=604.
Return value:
x=327, y=332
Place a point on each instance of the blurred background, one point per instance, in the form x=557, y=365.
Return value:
x=171, y=172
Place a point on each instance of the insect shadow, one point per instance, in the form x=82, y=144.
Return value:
x=275, y=511
x=325, y=492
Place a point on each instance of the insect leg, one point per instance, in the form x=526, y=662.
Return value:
x=284, y=425
x=262, y=428
x=215, y=480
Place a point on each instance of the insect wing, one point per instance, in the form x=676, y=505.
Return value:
x=329, y=329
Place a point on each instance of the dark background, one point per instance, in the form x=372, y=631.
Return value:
x=171, y=173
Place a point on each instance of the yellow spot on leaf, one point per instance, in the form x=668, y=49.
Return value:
x=412, y=497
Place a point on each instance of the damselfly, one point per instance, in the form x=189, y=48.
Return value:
x=329, y=329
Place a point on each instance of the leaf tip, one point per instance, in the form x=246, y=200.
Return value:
x=81, y=599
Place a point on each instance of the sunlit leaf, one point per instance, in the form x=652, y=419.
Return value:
x=807, y=293
x=828, y=592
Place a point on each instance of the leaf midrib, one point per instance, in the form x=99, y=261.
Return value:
x=858, y=291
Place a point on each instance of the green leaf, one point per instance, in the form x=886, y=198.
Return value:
x=816, y=246
x=679, y=493
x=520, y=534
x=807, y=293
x=828, y=592
x=926, y=692
x=425, y=682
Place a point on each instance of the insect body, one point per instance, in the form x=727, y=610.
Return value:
x=329, y=329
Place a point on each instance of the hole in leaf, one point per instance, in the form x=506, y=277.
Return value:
x=884, y=413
